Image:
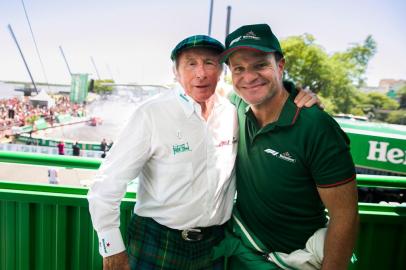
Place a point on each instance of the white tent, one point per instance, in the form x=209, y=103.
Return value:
x=42, y=99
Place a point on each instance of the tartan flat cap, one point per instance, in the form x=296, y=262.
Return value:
x=197, y=41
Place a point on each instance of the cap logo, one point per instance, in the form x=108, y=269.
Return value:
x=249, y=35
x=235, y=40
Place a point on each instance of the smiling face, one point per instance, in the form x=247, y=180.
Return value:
x=257, y=77
x=198, y=71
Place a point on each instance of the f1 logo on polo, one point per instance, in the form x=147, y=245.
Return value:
x=284, y=156
x=379, y=151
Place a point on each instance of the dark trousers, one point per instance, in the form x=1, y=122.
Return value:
x=154, y=246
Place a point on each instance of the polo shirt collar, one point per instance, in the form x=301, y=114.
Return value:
x=288, y=115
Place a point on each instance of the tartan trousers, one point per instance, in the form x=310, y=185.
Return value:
x=153, y=246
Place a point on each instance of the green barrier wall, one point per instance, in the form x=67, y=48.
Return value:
x=48, y=230
x=381, y=242
x=48, y=227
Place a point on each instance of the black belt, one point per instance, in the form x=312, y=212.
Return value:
x=191, y=235
x=198, y=234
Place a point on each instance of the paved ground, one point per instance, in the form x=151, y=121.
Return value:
x=39, y=174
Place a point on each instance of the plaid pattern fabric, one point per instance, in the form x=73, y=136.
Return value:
x=197, y=41
x=153, y=246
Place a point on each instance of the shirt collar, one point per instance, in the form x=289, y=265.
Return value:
x=189, y=105
x=186, y=102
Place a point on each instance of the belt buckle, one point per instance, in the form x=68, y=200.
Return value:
x=185, y=235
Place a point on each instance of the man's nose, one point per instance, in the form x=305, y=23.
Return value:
x=250, y=75
x=200, y=71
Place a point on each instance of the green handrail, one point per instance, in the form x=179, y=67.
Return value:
x=367, y=180
x=49, y=160
x=94, y=164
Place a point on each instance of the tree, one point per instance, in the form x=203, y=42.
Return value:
x=356, y=60
x=334, y=77
x=381, y=101
x=306, y=63
x=402, y=97
x=103, y=87
x=397, y=117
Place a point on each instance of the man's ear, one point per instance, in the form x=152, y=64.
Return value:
x=281, y=66
x=175, y=73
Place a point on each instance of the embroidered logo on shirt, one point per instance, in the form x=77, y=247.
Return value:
x=180, y=148
x=227, y=142
x=271, y=151
x=183, y=96
x=284, y=156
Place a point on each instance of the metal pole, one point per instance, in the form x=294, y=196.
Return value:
x=210, y=16
x=227, y=31
x=35, y=43
x=21, y=53
x=228, y=20
x=66, y=62
x=94, y=65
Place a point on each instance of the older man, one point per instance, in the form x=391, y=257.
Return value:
x=292, y=163
x=182, y=144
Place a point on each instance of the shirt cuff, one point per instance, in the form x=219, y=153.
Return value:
x=111, y=242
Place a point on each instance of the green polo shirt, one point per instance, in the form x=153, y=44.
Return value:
x=279, y=168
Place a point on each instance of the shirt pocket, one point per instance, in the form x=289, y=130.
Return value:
x=173, y=183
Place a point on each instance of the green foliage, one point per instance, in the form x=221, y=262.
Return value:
x=381, y=101
x=306, y=63
x=397, y=117
x=328, y=105
x=334, y=77
x=402, y=97
x=356, y=59
x=101, y=88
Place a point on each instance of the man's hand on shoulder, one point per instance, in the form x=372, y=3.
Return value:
x=116, y=262
x=307, y=98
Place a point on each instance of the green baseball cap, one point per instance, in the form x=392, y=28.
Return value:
x=256, y=36
x=197, y=41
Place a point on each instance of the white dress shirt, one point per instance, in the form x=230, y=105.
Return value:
x=185, y=167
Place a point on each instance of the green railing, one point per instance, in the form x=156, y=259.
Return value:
x=94, y=164
x=48, y=227
x=49, y=160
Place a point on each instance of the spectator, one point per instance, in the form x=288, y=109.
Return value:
x=76, y=149
x=103, y=146
x=53, y=176
x=61, y=148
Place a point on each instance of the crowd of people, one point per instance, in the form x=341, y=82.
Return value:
x=18, y=112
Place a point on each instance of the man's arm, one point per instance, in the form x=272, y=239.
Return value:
x=123, y=163
x=342, y=205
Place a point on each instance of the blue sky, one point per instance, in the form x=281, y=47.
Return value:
x=132, y=40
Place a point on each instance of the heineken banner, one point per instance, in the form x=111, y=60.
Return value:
x=377, y=146
x=53, y=143
x=78, y=90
